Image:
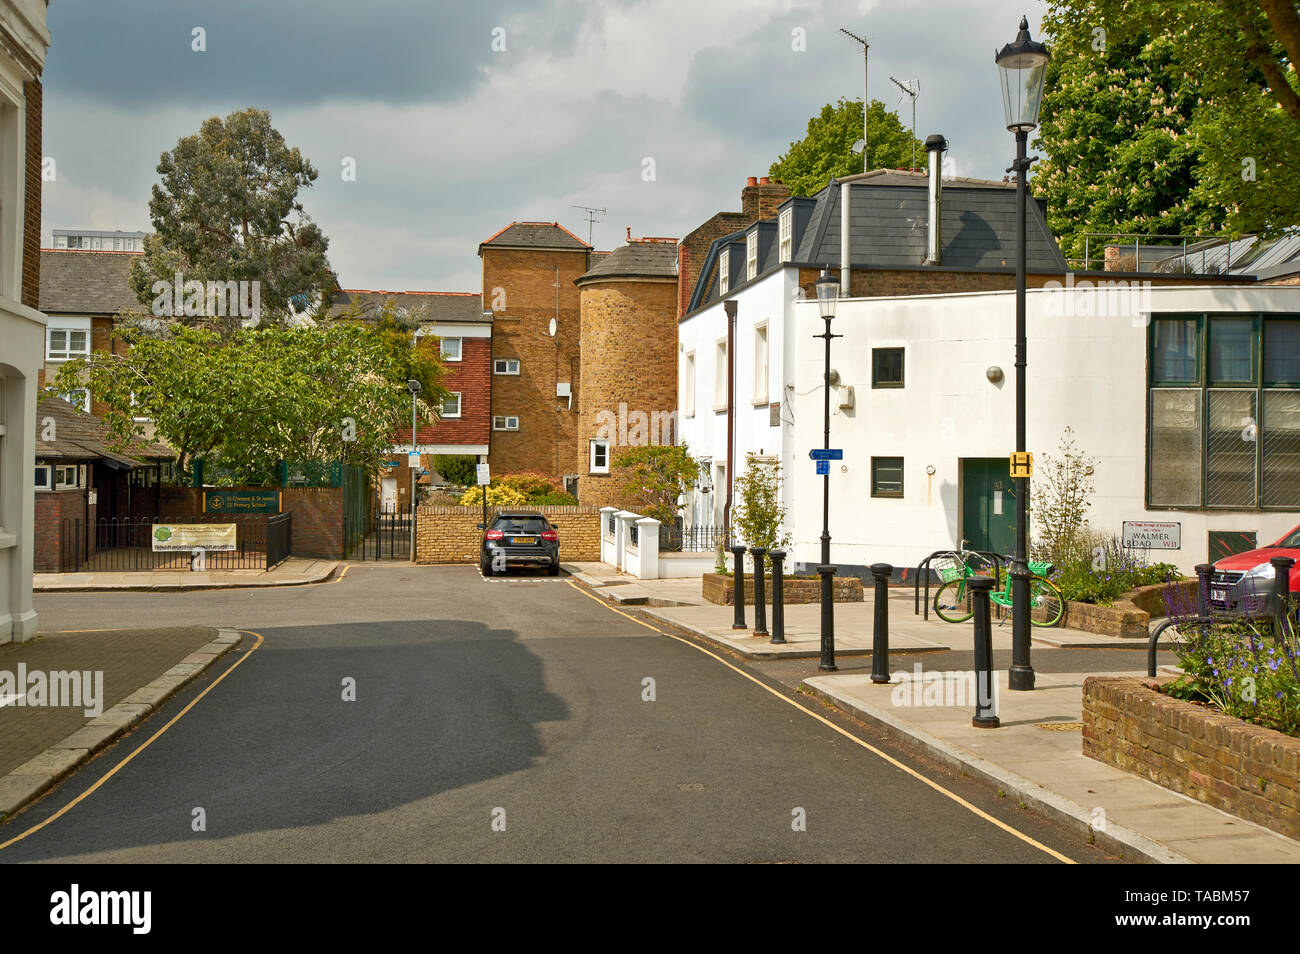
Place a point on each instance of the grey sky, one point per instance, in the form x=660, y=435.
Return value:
x=453, y=140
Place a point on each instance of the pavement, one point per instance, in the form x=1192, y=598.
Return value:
x=1034, y=758
x=295, y=571
x=120, y=677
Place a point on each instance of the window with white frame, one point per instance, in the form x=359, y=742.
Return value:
x=78, y=398
x=449, y=348
x=724, y=271
x=720, y=376
x=505, y=366
x=688, y=386
x=505, y=422
x=751, y=256
x=600, y=457
x=64, y=343
x=69, y=476
x=451, y=405
x=786, y=235
x=760, y=364
x=44, y=477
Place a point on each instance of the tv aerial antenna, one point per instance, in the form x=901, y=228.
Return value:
x=861, y=144
x=591, y=219
x=911, y=88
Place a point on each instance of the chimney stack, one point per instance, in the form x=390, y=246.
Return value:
x=935, y=146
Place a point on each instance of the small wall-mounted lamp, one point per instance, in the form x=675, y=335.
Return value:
x=994, y=374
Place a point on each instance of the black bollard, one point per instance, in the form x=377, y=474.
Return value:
x=1282, y=594
x=880, y=632
x=828, y=618
x=778, y=598
x=760, y=597
x=1203, y=573
x=986, y=710
x=738, y=574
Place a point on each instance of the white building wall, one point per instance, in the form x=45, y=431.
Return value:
x=1086, y=371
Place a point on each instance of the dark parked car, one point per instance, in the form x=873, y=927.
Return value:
x=1242, y=582
x=520, y=538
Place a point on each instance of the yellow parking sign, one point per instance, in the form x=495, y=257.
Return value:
x=1022, y=464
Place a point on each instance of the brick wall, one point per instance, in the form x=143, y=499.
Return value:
x=526, y=277
x=629, y=357
x=1245, y=769
x=31, y=282
x=52, y=508
x=722, y=589
x=471, y=376
x=760, y=200
x=317, y=529
x=451, y=535
x=694, y=248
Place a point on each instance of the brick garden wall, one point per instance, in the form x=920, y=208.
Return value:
x=722, y=589
x=52, y=508
x=451, y=535
x=317, y=529
x=1245, y=769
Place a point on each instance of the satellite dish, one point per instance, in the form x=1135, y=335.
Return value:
x=550, y=330
x=859, y=145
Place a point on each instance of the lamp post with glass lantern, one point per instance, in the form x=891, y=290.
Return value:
x=828, y=293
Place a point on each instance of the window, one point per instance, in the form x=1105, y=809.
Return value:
x=751, y=256
x=760, y=364
x=68, y=476
x=449, y=348
x=688, y=386
x=724, y=270
x=1224, y=424
x=505, y=423
x=505, y=366
x=600, y=457
x=886, y=367
x=44, y=477
x=64, y=343
x=451, y=405
x=786, y=235
x=79, y=398
x=886, y=476
x=720, y=376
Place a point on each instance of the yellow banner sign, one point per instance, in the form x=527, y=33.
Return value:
x=1022, y=464
x=194, y=536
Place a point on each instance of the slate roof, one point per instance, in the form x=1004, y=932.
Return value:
x=889, y=230
x=1248, y=255
x=637, y=259
x=77, y=282
x=535, y=235
x=440, y=306
x=81, y=436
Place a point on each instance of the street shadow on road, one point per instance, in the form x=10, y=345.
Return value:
x=439, y=704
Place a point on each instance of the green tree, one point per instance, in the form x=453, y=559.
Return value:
x=414, y=357
x=826, y=151
x=227, y=209
x=1170, y=116
x=331, y=393
x=759, y=516
x=456, y=468
x=660, y=474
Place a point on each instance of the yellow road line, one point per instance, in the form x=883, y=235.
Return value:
x=153, y=738
x=848, y=735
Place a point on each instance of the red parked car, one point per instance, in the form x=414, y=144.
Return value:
x=1244, y=582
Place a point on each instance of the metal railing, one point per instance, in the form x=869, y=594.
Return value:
x=923, y=574
x=385, y=534
x=692, y=539
x=261, y=542
x=1164, y=252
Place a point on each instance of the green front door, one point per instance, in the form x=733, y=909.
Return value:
x=988, y=516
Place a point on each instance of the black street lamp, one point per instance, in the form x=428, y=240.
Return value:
x=1022, y=65
x=413, y=386
x=828, y=293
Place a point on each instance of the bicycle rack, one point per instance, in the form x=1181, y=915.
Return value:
x=924, y=607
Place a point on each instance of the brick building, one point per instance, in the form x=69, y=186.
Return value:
x=529, y=270
x=628, y=392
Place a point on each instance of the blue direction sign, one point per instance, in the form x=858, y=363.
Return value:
x=834, y=453
x=823, y=467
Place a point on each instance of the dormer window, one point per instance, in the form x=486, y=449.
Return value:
x=786, y=227
x=751, y=256
x=724, y=271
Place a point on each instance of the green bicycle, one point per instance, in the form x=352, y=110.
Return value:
x=953, y=602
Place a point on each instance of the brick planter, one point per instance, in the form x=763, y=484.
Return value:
x=722, y=589
x=1248, y=770
x=1131, y=613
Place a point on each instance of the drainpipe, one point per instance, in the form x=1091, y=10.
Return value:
x=730, y=308
x=844, y=238
x=935, y=146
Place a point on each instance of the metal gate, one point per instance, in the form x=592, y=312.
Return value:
x=386, y=536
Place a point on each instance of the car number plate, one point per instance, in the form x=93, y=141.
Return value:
x=1219, y=594
x=526, y=540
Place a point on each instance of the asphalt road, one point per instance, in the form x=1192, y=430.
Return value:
x=484, y=705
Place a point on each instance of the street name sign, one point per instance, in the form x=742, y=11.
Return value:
x=833, y=453
x=1152, y=534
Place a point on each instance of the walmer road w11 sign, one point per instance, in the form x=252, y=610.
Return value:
x=194, y=536
x=1153, y=535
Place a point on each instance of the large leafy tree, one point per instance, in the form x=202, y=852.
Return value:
x=1171, y=116
x=826, y=151
x=658, y=475
x=227, y=209
x=255, y=397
